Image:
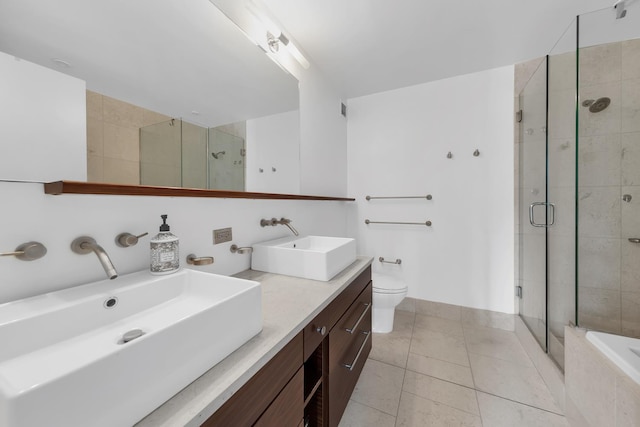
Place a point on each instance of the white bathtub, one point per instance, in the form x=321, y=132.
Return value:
x=623, y=351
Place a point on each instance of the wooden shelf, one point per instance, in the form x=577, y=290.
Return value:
x=77, y=187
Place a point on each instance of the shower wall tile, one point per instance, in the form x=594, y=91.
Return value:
x=606, y=121
x=600, y=64
x=94, y=105
x=630, y=141
x=630, y=59
x=630, y=314
x=95, y=137
x=630, y=213
x=599, y=265
x=630, y=266
x=599, y=309
x=562, y=113
x=95, y=169
x=151, y=117
x=161, y=175
x=562, y=73
x=561, y=267
x=119, y=171
x=599, y=212
x=533, y=250
x=121, y=142
x=565, y=211
x=121, y=113
x=630, y=103
x=562, y=154
x=523, y=73
x=599, y=160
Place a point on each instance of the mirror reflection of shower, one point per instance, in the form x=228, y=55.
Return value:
x=175, y=153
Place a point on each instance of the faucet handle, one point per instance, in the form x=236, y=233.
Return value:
x=124, y=240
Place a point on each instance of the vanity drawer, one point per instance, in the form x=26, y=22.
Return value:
x=348, y=331
x=339, y=305
x=247, y=404
x=315, y=332
x=347, y=355
x=288, y=408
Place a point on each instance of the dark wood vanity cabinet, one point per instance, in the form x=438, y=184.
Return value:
x=309, y=382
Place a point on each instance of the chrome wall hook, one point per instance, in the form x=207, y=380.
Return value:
x=449, y=155
x=476, y=153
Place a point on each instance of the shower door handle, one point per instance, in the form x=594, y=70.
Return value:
x=548, y=205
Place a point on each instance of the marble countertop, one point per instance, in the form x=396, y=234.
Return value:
x=288, y=304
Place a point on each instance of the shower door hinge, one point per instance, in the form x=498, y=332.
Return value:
x=519, y=116
x=519, y=291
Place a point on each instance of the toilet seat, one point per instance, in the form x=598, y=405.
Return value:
x=383, y=284
x=390, y=291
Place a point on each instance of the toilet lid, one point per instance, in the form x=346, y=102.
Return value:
x=383, y=283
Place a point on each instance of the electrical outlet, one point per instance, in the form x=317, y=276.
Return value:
x=222, y=235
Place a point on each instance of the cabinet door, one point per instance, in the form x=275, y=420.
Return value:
x=288, y=408
x=349, y=347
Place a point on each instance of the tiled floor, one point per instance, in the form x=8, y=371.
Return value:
x=448, y=371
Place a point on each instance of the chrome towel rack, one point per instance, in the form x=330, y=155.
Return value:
x=427, y=223
x=428, y=197
x=397, y=261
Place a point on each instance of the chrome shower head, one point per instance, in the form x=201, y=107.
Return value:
x=600, y=104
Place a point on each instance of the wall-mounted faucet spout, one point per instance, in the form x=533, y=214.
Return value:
x=283, y=221
x=85, y=244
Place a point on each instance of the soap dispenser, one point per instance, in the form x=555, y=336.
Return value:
x=165, y=256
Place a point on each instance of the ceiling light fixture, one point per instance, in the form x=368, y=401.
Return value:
x=274, y=36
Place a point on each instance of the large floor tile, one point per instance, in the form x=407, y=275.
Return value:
x=416, y=411
x=498, y=412
x=359, y=415
x=438, y=309
x=453, y=395
x=438, y=324
x=440, y=369
x=390, y=348
x=490, y=319
x=393, y=347
x=511, y=381
x=496, y=343
x=441, y=346
x=379, y=386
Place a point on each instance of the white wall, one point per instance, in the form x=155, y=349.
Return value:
x=43, y=117
x=57, y=220
x=274, y=142
x=398, y=142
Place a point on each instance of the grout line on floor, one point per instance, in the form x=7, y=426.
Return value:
x=521, y=403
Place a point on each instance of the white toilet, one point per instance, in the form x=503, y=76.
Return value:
x=388, y=292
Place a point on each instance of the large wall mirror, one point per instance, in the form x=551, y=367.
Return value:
x=176, y=94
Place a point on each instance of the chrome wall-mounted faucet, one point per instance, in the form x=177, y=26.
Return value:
x=282, y=221
x=85, y=244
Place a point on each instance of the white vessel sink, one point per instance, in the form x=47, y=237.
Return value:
x=310, y=257
x=63, y=361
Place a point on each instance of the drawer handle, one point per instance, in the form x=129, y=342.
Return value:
x=351, y=365
x=354, y=327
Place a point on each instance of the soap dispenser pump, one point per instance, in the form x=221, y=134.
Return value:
x=165, y=255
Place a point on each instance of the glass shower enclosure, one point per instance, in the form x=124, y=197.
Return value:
x=177, y=153
x=578, y=237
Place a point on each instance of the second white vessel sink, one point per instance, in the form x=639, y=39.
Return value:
x=310, y=257
x=64, y=360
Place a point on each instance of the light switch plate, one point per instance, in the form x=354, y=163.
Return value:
x=222, y=235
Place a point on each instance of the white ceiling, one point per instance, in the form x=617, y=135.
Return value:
x=169, y=56
x=369, y=46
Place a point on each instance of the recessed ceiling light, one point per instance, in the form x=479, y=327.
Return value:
x=195, y=113
x=61, y=63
